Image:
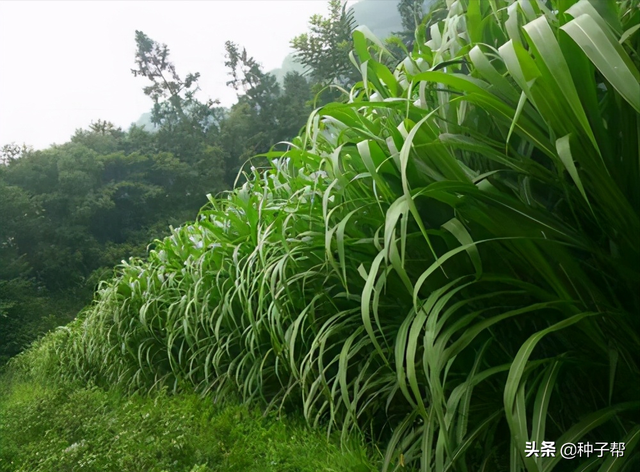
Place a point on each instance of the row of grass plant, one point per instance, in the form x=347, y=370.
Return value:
x=448, y=262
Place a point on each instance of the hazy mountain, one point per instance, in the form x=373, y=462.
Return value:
x=145, y=122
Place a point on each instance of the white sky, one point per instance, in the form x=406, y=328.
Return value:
x=64, y=64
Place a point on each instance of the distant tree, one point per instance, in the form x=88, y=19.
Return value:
x=253, y=124
x=324, y=50
x=12, y=151
x=295, y=107
x=105, y=127
x=188, y=128
x=266, y=113
x=173, y=97
x=411, y=14
x=102, y=137
x=23, y=314
x=259, y=89
x=138, y=139
x=20, y=218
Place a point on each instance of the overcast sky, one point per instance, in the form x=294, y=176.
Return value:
x=64, y=64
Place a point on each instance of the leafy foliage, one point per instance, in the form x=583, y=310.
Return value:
x=173, y=97
x=12, y=151
x=21, y=297
x=324, y=51
x=411, y=13
x=266, y=112
x=73, y=211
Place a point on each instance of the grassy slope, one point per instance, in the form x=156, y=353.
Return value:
x=57, y=429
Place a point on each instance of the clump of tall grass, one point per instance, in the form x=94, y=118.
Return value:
x=448, y=262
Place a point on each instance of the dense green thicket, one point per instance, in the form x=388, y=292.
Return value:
x=71, y=212
x=446, y=263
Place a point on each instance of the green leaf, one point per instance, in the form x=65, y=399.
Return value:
x=563, y=145
x=608, y=57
